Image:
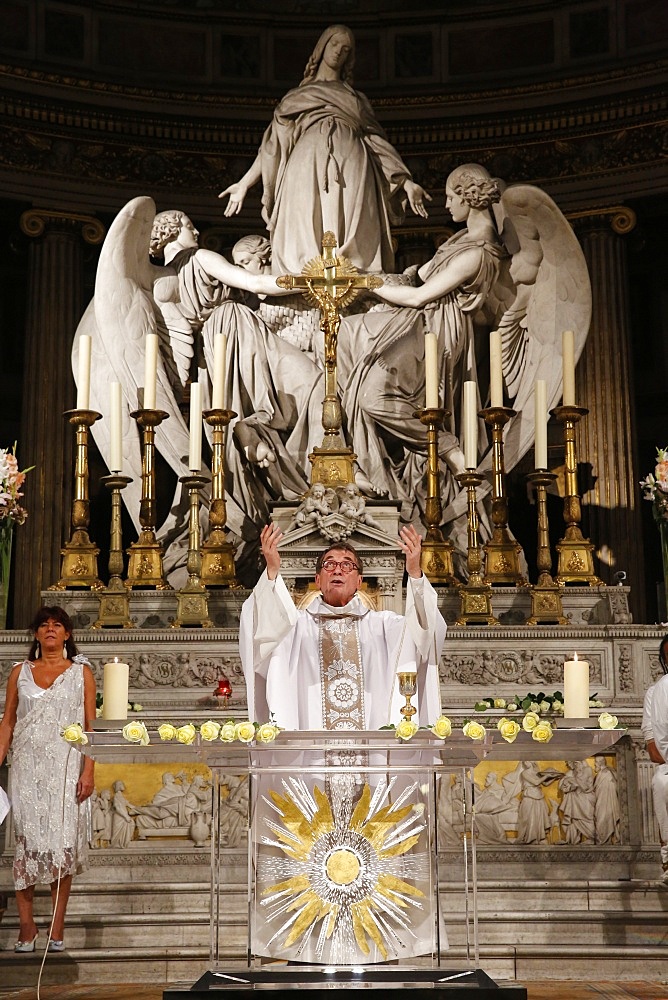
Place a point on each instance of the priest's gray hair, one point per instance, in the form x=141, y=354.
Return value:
x=340, y=547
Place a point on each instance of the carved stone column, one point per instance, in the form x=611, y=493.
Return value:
x=605, y=438
x=55, y=306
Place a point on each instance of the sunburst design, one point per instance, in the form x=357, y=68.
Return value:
x=344, y=294
x=346, y=875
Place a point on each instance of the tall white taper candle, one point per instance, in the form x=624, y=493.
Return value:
x=115, y=690
x=540, y=448
x=495, y=369
x=116, y=427
x=195, y=453
x=576, y=688
x=83, y=380
x=150, y=370
x=431, y=370
x=470, y=426
x=219, y=356
x=568, y=362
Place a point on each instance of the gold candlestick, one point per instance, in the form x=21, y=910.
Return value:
x=546, y=604
x=114, y=609
x=79, y=564
x=502, y=562
x=192, y=607
x=476, y=595
x=218, y=569
x=436, y=558
x=145, y=565
x=408, y=688
x=576, y=560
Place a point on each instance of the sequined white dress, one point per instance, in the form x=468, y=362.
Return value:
x=51, y=829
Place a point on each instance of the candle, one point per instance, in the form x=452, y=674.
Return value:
x=115, y=427
x=195, y=453
x=470, y=426
x=540, y=446
x=495, y=369
x=568, y=362
x=115, y=690
x=150, y=370
x=83, y=381
x=219, y=354
x=431, y=370
x=576, y=688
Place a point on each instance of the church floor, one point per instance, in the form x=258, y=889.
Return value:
x=536, y=991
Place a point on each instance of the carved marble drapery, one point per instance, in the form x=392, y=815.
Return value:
x=603, y=384
x=55, y=306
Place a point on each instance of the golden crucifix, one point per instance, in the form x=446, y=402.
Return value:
x=330, y=283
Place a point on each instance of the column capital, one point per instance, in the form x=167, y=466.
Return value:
x=620, y=218
x=35, y=221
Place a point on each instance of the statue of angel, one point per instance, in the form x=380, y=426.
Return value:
x=187, y=302
x=517, y=266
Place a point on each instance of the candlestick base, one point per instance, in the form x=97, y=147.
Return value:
x=546, y=606
x=114, y=611
x=436, y=559
x=218, y=567
x=332, y=463
x=476, y=605
x=502, y=560
x=79, y=563
x=575, y=562
x=192, y=607
x=145, y=563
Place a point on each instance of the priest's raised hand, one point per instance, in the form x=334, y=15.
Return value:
x=270, y=536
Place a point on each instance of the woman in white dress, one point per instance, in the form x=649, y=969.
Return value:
x=50, y=782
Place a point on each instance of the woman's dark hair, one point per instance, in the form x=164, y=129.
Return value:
x=342, y=547
x=59, y=615
x=662, y=654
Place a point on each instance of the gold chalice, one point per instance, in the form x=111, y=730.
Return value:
x=408, y=688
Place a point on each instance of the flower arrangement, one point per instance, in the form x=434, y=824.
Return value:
x=11, y=481
x=228, y=732
x=539, y=704
x=655, y=485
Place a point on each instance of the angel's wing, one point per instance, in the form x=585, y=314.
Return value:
x=122, y=312
x=552, y=293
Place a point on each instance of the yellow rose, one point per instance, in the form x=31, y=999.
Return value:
x=499, y=703
x=209, y=730
x=474, y=731
x=542, y=732
x=442, y=727
x=605, y=721
x=406, y=729
x=74, y=734
x=509, y=729
x=166, y=731
x=530, y=721
x=267, y=733
x=245, y=731
x=228, y=732
x=135, y=732
x=186, y=734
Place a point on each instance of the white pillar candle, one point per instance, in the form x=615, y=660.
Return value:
x=115, y=690
x=576, y=688
x=495, y=369
x=83, y=380
x=195, y=453
x=431, y=370
x=470, y=426
x=540, y=447
x=150, y=370
x=219, y=355
x=116, y=427
x=568, y=362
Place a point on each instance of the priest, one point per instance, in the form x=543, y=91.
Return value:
x=333, y=665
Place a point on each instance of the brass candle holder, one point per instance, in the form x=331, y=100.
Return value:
x=546, y=604
x=476, y=595
x=79, y=563
x=408, y=689
x=145, y=566
x=576, y=559
x=192, y=601
x=436, y=558
x=218, y=568
x=114, y=611
x=502, y=553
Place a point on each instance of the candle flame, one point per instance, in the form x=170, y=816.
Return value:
x=116, y=660
x=575, y=657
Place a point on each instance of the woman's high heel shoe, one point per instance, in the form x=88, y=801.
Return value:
x=22, y=947
x=56, y=945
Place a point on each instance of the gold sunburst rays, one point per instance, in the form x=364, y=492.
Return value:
x=356, y=875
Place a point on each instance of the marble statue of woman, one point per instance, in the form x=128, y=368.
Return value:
x=326, y=165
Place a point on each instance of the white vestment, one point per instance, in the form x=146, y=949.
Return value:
x=280, y=655
x=660, y=776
